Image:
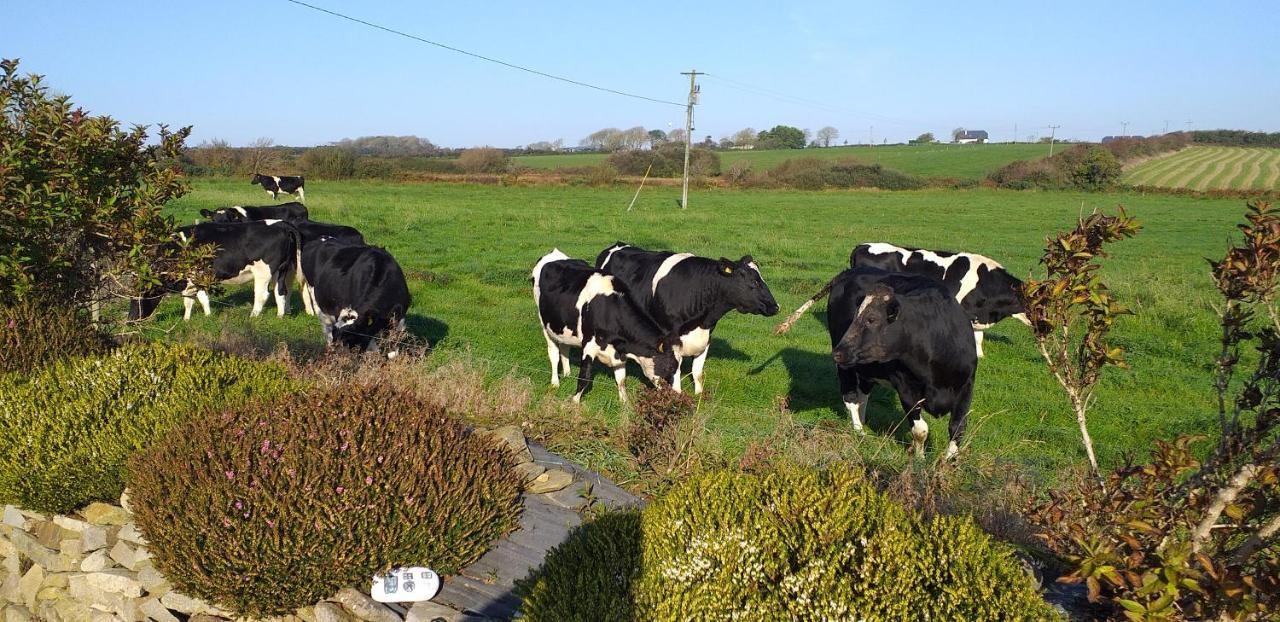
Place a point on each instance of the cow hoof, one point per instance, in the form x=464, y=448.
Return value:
x=860, y=430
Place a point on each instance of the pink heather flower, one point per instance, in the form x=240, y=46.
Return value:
x=368, y=479
x=239, y=506
x=291, y=471
x=271, y=523
x=246, y=515
x=379, y=459
x=226, y=522
x=345, y=445
x=339, y=490
x=230, y=474
x=266, y=446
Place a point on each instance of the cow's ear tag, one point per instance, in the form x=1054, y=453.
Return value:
x=726, y=269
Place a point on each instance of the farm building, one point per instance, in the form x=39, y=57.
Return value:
x=971, y=136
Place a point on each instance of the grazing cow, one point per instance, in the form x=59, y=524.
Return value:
x=687, y=295
x=275, y=184
x=579, y=306
x=358, y=291
x=986, y=291
x=313, y=232
x=908, y=331
x=265, y=251
x=292, y=212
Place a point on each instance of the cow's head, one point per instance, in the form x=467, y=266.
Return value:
x=257, y=179
x=744, y=287
x=1000, y=297
x=222, y=215
x=361, y=329
x=658, y=362
x=874, y=329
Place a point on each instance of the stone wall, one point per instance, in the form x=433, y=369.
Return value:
x=94, y=566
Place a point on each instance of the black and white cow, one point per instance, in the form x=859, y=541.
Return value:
x=987, y=292
x=292, y=212
x=905, y=330
x=263, y=251
x=687, y=295
x=275, y=184
x=579, y=306
x=358, y=291
x=311, y=233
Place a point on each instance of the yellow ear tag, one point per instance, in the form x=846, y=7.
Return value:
x=660, y=347
x=727, y=270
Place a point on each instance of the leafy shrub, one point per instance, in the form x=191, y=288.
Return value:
x=329, y=163
x=816, y=545
x=1097, y=170
x=667, y=161
x=33, y=333
x=274, y=506
x=793, y=544
x=484, y=160
x=80, y=199
x=67, y=430
x=588, y=577
x=820, y=173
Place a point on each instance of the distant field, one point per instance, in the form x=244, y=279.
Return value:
x=962, y=161
x=467, y=251
x=1211, y=168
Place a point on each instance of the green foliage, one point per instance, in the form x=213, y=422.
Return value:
x=924, y=139
x=1072, y=311
x=1178, y=538
x=820, y=173
x=329, y=163
x=1236, y=138
x=484, y=160
x=667, y=160
x=780, y=137
x=1098, y=170
x=587, y=578
x=34, y=332
x=274, y=506
x=80, y=199
x=67, y=430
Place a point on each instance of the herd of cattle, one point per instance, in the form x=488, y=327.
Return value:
x=910, y=318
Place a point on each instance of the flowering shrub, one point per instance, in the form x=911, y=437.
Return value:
x=67, y=430
x=275, y=506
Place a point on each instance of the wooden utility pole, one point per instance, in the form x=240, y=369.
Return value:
x=688, y=132
x=1053, y=129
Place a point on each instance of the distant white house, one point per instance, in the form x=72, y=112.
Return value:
x=743, y=147
x=971, y=136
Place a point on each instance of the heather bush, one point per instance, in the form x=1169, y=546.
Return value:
x=276, y=505
x=67, y=430
x=588, y=577
x=33, y=333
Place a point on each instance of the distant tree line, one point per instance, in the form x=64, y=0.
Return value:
x=1084, y=167
x=1236, y=138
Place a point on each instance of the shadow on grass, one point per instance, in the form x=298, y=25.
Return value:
x=429, y=328
x=590, y=575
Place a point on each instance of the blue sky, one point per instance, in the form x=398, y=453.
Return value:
x=241, y=70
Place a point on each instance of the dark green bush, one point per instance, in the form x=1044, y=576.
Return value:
x=1097, y=169
x=792, y=544
x=67, y=430
x=274, y=506
x=33, y=333
x=819, y=545
x=667, y=160
x=587, y=578
x=821, y=173
x=329, y=163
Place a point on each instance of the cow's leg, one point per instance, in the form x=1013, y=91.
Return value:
x=302, y=196
x=855, y=400
x=620, y=377
x=675, y=380
x=564, y=361
x=281, y=293
x=553, y=353
x=305, y=291
x=919, y=433
x=188, y=301
x=698, y=362
x=977, y=341
x=959, y=418
x=271, y=194
x=584, y=376
x=203, y=297
x=261, y=287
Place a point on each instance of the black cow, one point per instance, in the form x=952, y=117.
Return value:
x=579, y=306
x=908, y=331
x=687, y=295
x=358, y=291
x=275, y=184
x=292, y=212
x=264, y=251
x=987, y=292
x=313, y=232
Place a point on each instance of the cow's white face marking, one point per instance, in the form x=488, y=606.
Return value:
x=241, y=210
x=271, y=221
x=866, y=302
x=554, y=255
x=610, y=255
x=667, y=266
x=346, y=317
x=694, y=342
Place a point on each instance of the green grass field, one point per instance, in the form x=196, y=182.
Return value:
x=1210, y=168
x=468, y=249
x=940, y=160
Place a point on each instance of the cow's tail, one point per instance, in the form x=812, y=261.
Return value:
x=791, y=319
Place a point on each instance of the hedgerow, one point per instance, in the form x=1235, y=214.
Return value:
x=276, y=505
x=67, y=430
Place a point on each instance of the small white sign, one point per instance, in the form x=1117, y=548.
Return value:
x=405, y=585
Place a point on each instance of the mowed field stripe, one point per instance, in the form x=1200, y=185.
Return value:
x=1167, y=179
x=1191, y=176
x=1146, y=172
x=1273, y=171
x=1255, y=169
x=1224, y=171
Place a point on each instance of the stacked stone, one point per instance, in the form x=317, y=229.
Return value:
x=94, y=566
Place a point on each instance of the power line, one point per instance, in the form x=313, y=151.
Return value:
x=483, y=57
x=793, y=99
